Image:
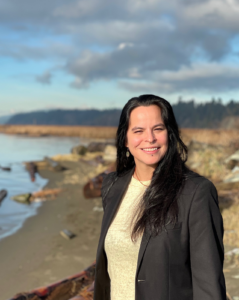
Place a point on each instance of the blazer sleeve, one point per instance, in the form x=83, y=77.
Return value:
x=206, y=244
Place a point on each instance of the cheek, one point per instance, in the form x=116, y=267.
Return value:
x=163, y=139
x=133, y=141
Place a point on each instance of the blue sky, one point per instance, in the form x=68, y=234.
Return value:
x=99, y=54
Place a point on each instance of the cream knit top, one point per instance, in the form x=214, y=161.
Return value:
x=122, y=253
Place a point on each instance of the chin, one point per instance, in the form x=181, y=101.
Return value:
x=150, y=161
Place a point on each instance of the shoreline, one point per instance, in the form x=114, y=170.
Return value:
x=37, y=255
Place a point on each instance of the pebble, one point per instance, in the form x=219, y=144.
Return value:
x=97, y=208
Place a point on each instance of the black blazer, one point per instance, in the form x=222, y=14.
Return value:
x=185, y=261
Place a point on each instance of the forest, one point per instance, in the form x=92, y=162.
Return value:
x=189, y=114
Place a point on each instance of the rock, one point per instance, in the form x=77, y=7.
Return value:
x=23, y=198
x=235, y=251
x=53, y=165
x=66, y=157
x=67, y=234
x=110, y=153
x=232, y=164
x=96, y=147
x=234, y=156
x=98, y=159
x=80, y=150
x=97, y=208
x=233, y=176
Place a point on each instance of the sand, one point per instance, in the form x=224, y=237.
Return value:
x=37, y=254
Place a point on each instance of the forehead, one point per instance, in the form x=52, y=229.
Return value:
x=145, y=114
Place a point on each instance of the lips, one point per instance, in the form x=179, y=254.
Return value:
x=150, y=150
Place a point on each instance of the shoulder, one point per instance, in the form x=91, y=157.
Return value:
x=199, y=195
x=197, y=190
x=195, y=183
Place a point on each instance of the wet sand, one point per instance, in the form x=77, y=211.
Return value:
x=37, y=254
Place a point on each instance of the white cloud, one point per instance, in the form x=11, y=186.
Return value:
x=208, y=77
x=124, y=45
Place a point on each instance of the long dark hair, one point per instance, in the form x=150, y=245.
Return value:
x=159, y=203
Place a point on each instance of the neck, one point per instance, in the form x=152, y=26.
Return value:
x=144, y=172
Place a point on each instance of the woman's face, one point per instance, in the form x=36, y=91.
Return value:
x=147, y=136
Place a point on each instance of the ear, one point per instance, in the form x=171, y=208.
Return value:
x=126, y=143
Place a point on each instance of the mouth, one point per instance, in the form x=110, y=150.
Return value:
x=150, y=150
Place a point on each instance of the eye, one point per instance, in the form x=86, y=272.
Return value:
x=159, y=128
x=138, y=131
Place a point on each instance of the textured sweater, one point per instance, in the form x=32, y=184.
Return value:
x=122, y=253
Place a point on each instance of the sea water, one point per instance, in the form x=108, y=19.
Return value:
x=14, y=150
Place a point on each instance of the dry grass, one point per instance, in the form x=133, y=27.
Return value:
x=212, y=136
x=42, y=130
x=208, y=136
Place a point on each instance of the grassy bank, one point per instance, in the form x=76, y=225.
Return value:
x=42, y=130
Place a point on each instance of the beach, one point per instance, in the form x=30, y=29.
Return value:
x=37, y=255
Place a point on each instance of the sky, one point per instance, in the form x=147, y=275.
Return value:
x=100, y=53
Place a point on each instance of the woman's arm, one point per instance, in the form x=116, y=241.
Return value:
x=206, y=244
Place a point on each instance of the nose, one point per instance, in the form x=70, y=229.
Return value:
x=150, y=137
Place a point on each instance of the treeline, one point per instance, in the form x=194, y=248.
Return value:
x=188, y=114
x=204, y=115
x=89, y=117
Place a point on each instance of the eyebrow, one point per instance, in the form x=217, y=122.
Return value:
x=136, y=127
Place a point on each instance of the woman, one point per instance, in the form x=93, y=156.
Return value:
x=161, y=236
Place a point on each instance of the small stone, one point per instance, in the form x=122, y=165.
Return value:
x=67, y=234
x=97, y=208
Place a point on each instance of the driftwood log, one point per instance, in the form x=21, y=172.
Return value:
x=3, y=194
x=32, y=170
x=92, y=188
x=5, y=168
x=80, y=285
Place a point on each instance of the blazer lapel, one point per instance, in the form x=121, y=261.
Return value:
x=114, y=198
x=144, y=242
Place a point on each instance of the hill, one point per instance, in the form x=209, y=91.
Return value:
x=90, y=117
x=212, y=114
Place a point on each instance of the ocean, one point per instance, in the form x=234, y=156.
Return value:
x=14, y=150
